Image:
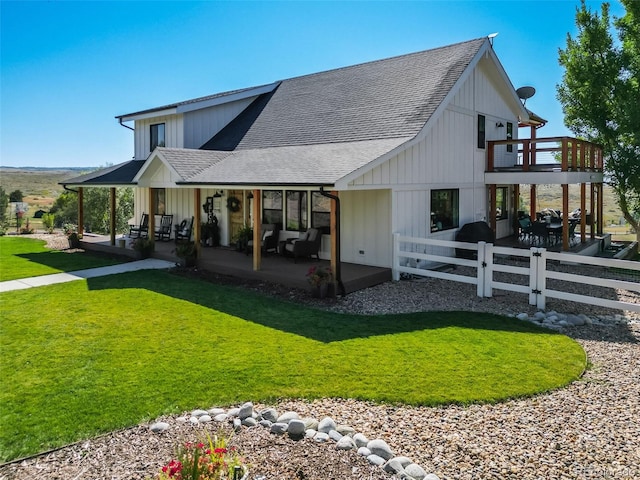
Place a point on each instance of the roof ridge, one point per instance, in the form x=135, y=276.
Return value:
x=394, y=57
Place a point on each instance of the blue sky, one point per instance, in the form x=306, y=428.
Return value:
x=68, y=68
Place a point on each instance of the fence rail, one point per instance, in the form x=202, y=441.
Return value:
x=408, y=252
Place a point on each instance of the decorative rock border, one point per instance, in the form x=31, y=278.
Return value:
x=557, y=321
x=376, y=451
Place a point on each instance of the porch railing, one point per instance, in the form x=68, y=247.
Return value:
x=573, y=154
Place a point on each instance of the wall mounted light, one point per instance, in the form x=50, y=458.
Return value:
x=250, y=195
x=218, y=194
x=499, y=125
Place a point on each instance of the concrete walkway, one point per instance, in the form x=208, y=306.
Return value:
x=22, y=283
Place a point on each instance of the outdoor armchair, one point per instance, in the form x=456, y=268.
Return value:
x=307, y=245
x=270, y=233
x=184, y=230
x=142, y=230
x=163, y=231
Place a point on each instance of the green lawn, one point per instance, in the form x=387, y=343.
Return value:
x=22, y=257
x=92, y=356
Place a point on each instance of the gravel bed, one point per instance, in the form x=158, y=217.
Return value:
x=587, y=430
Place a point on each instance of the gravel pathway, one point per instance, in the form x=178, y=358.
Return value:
x=588, y=430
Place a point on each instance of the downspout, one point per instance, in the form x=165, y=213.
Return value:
x=338, y=261
x=125, y=126
x=69, y=189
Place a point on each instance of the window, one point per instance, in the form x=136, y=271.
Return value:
x=445, y=209
x=159, y=201
x=157, y=136
x=501, y=203
x=320, y=212
x=272, y=207
x=297, y=211
x=481, y=131
x=509, y=136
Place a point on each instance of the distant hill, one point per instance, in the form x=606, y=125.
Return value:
x=37, y=181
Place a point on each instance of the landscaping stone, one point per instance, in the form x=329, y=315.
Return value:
x=345, y=443
x=204, y=418
x=376, y=460
x=415, y=471
x=159, y=427
x=245, y=411
x=296, y=428
x=380, y=448
x=287, y=416
x=269, y=414
x=321, y=437
x=361, y=440
x=279, y=428
x=326, y=425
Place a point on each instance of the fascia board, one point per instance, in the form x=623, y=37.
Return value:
x=254, y=92
x=143, y=116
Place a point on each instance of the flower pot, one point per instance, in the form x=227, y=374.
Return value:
x=320, y=291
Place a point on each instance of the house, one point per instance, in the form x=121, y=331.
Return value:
x=412, y=144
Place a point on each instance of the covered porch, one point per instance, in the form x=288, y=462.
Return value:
x=561, y=161
x=227, y=261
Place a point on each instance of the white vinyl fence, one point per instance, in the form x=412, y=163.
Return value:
x=423, y=256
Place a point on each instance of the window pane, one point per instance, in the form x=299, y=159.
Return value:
x=159, y=200
x=501, y=203
x=509, y=136
x=296, y=211
x=272, y=207
x=445, y=210
x=157, y=136
x=481, y=131
x=320, y=212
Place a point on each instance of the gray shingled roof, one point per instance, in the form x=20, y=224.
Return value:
x=320, y=164
x=391, y=98
x=316, y=129
x=121, y=174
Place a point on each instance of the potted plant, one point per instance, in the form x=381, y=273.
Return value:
x=71, y=231
x=143, y=246
x=320, y=278
x=187, y=253
x=242, y=237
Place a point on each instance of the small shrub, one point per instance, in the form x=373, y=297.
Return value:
x=48, y=221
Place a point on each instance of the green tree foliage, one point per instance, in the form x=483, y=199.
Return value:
x=96, y=211
x=4, y=204
x=600, y=95
x=16, y=196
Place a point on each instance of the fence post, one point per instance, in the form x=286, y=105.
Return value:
x=480, y=278
x=488, y=270
x=395, y=272
x=542, y=279
x=533, y=275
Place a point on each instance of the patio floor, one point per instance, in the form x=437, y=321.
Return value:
x=227, y=261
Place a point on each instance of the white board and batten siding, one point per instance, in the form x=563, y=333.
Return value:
x=200, y=125
x=447, y=157
x=179, y=203
x=365, y=226
x=173, y=132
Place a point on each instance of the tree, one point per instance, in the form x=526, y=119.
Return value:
x=96, y=213
x=600, y=96
x=4, y=203
x=16, y=196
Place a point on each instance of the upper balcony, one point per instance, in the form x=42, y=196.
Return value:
x=554, y=160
